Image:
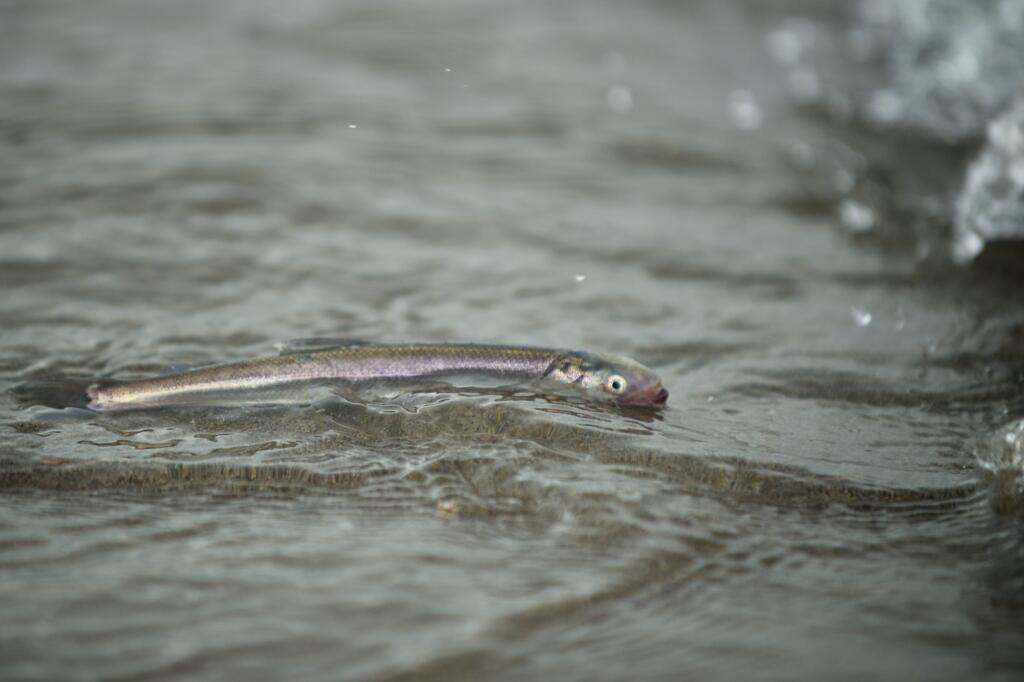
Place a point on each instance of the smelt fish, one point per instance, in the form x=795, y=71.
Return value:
x=607, y=377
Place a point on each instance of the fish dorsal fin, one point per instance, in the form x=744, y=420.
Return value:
x=315, y=343
x=176, y=368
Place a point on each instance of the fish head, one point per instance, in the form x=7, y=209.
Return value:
x=611, y=377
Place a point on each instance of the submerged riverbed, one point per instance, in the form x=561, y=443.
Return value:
x=190, y=183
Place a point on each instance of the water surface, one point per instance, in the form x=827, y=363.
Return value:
x=193, y=182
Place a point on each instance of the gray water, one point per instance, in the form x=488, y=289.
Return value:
x=191, y=182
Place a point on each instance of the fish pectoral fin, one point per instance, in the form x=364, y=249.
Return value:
x=315, y=343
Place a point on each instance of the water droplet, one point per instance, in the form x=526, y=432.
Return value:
x=855, y=216
x=352, y=126
x=447, y=508
x=785, y=46
x=885, y=107
x=861, y=316
x=447, y=70
x=619, y=99
x=966, y=246
x=579, y=277
x=744, y=111
x=788, y=43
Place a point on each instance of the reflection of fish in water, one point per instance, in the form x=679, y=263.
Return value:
x=608, y=377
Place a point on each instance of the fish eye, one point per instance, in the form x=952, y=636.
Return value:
x=615, y=384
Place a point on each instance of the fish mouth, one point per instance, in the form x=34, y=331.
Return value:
x=655, y=397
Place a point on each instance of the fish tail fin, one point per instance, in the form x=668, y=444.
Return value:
x=55, y=393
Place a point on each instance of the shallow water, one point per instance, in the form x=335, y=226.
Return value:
x=192, y=182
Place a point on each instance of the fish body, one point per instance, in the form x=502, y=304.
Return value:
x=622, y=380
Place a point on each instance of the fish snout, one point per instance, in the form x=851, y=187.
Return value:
x=652, y=397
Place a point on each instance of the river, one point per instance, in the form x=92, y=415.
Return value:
x=689, y=184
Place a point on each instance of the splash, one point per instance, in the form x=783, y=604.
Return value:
x=1002, y=454
x=990, y=207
